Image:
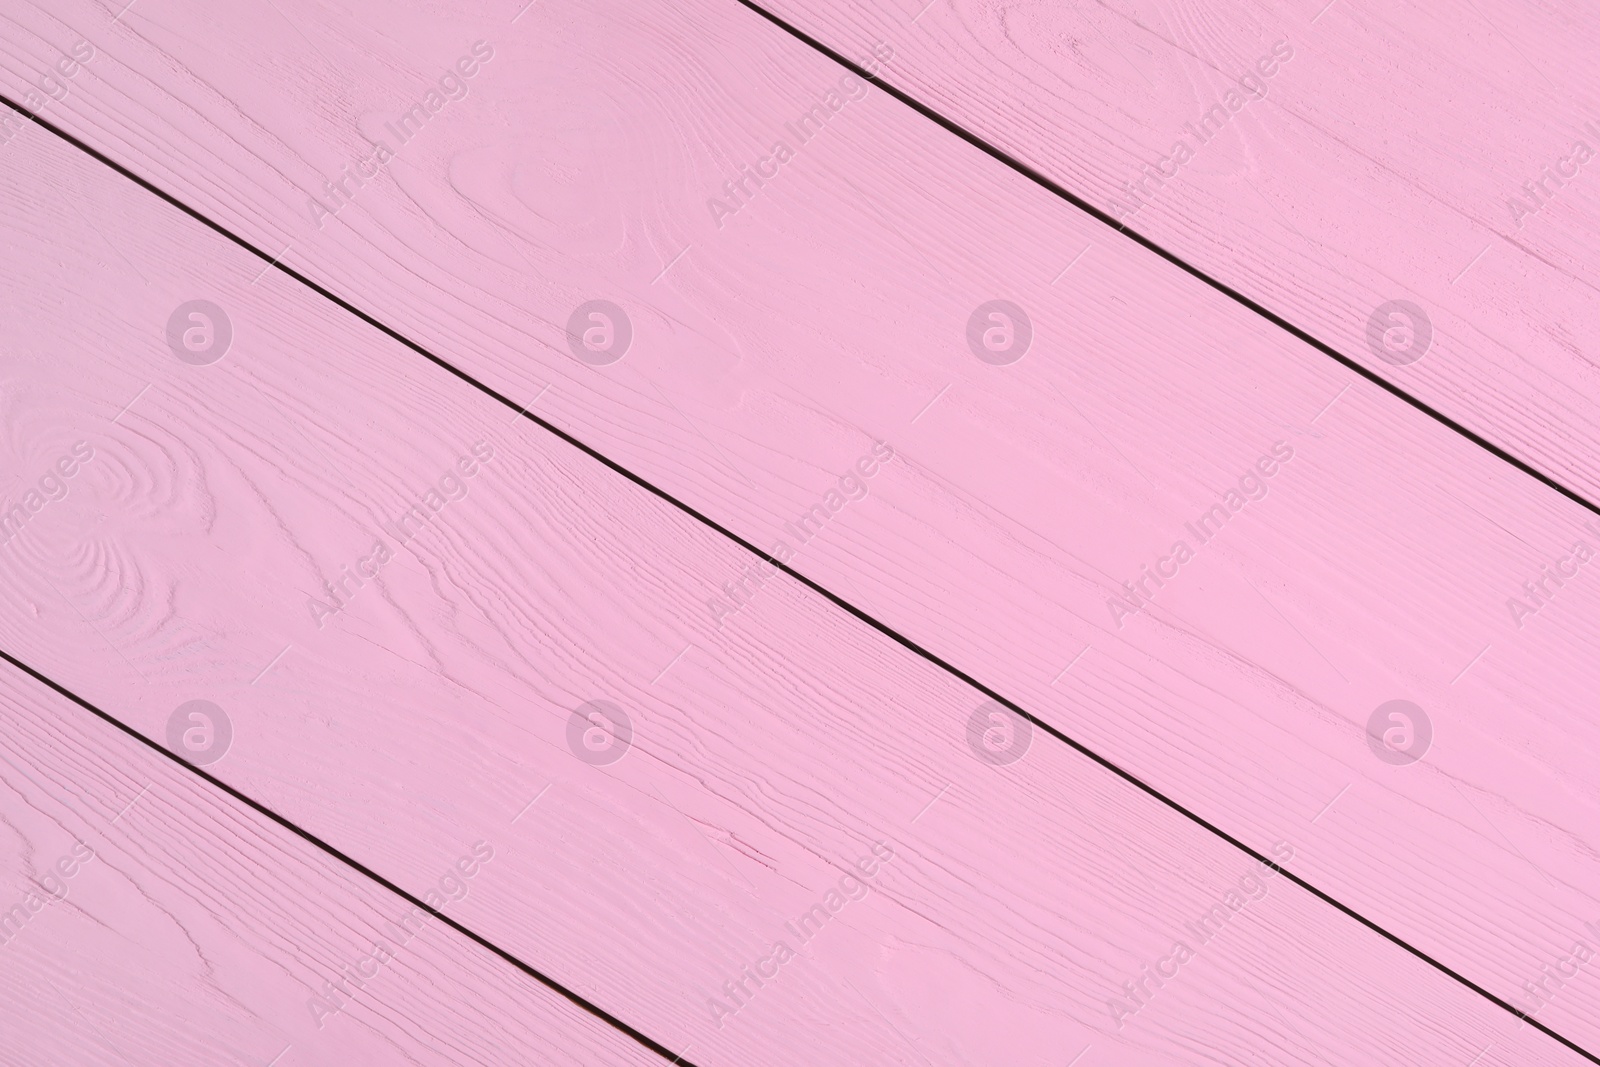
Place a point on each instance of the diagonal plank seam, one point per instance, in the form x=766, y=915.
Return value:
x=832, y=598
x=575, y=998
x=1051, y=186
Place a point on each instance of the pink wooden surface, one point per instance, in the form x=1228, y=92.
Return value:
x=1334, y=157
x=767, y=757
x=762, y=368
x=1213, y=699
x=165, y=923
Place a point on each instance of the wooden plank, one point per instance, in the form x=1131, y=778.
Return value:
x=1324, y=159
x=436, y=704
x=147, y=917
x=769, y=367
x=1009, y=903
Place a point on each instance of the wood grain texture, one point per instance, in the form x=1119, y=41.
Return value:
x=825, y=314
x=190, y=930
x=432, y=709
x=767, y=757
x=1387, y=153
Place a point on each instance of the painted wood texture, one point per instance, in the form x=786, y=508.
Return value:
x=163, y=922
x=1324, y=158
x=433, y=708
x=829, y=311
